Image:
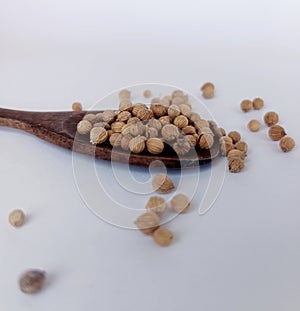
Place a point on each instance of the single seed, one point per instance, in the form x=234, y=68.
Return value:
x=185, y=110
x=194, y=116
x=177, y=93
x=236, y=165
x=208, y=90
x=206, y=141
x=159, y=110
x=271, y=118
x=125, y=105
x=235, y=154
x=84, y=127
x=155, y=124
x=276, y=132
x=173, y=111
x=258, y=103
x=98, y=135
x=148, y=222
x=124, y=116
x=235, y=136
x=189, y=130
x=254, y=125
x=90, y=117
x=181, y=121
x=115, y=139
x=163, y=236
x=133, y=120
x=180, y=203
x=242, y=146
x=117, y=126
x=192, y=139
x=155, y=145
x=165, y=120
x=32, y=281
x=181, y=146
x=145, y=114
x=137, y=144
x=16, y=218
x=178, y=100
x=170, y=132
x=147, y=94
x=246, y=105
x=287, y=144
x=225, y=147
x=124, y=94
x=137, y=107
x=162, y=183
x=76, y=106
x=156, y=205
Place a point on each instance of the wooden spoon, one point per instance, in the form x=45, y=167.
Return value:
x=59, y=128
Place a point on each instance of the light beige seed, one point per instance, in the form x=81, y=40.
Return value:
x=117, y=126
x=178, y=100
x=155, y=124
x=162, y=183
x=177, y=93
x=115, y=139
x=137, y=107
x=156, y=205
x=147, y=94
x=77, y=106
x=148, y=222
x=235, y=136
x=181, y=147
x=137, y=144
x=90, y=117
x=84, y=127
x=151, y=132
x=180, y=203
x=109, y=116
x=246, y=105
x=169, y=132
x=206, y=141
x=287, y=144
x=181, y=121
x=258, y=103
x=16, y=218
x=98, y=135
x=254, y=125
x=155, y=145
x=235, y=154
x=165, y=120
x=194, y=117
x=125, y=142
x=189, y=130
x=208, y=90
x=159, y=110
x=124, y=94
x=276, y=132
x=191, y=139
x=173, y=111
x=236, y=165
x=225, y=147
x=163, y=237
x=185, y=110
x=145, y=114
x=242, y=146
x=133, y=120
x=124, y=116
x=125, y=105
x=271, y=118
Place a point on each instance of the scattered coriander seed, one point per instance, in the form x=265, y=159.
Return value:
x=225, y=147
x=242, y=146
x=148, y=222
x=287, y=144
x=156, y=205
x=16, y=218
x=194, y=116
x=236, y=165
x=271, y=118
x=258, y=103
x=226, y=139
x=155, y=123
x=180, y=203
x=235, y=136
x=163, y=236
x=155, y=145
x=276, y=132
x=124, y=94
x=133, y=120
x=147, y=94
x=162, y=183
x=32, y=281
x=76, y=106
x=208, y=90
x=254, y=125
x=246, y=105
x=84, y=127
x=98, y=135
x=235, y=153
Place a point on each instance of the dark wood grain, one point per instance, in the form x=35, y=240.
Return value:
x=59, y=128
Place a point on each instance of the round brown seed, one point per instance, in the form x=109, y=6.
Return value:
x=276, y=132
x=235, y=136
x=254, y=125
x=163, y=236
x=258, y=103
x=32, y=281
x=180, y=203
x=287, y=144
x=246, y=105
x=16, y=218
x=76, y=106
x=148, y=222
x=271, y=118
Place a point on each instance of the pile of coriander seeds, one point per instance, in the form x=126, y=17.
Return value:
x=136, y=128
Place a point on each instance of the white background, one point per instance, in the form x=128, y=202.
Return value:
x=245, y=253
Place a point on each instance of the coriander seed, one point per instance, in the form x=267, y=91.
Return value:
x=258, y=103
x=156, y=205
x=235, y=136
x=287, y=144
x=148, y=222
x=155, y=145
x=246, y=105
x=32, y=281
x=180, y=203
x=124, y=94
x=178, y=100
x=181, y=121
x=173, y=111
x=98, y=135
x=16, y=218
x=206, y=141
x=163, y=236
x=181, y=146
x=137, y=144
x=162, y=183
x=84, y=127
x=235, y=154
x=208, y=90
x=236, y=165
x=254, y=125
x=77, y=106
x=242, y=146
x=276, y=132
x=169, y=132
x=271, y=118
x=90, y=117
x=147, y=94
x=165, y=120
